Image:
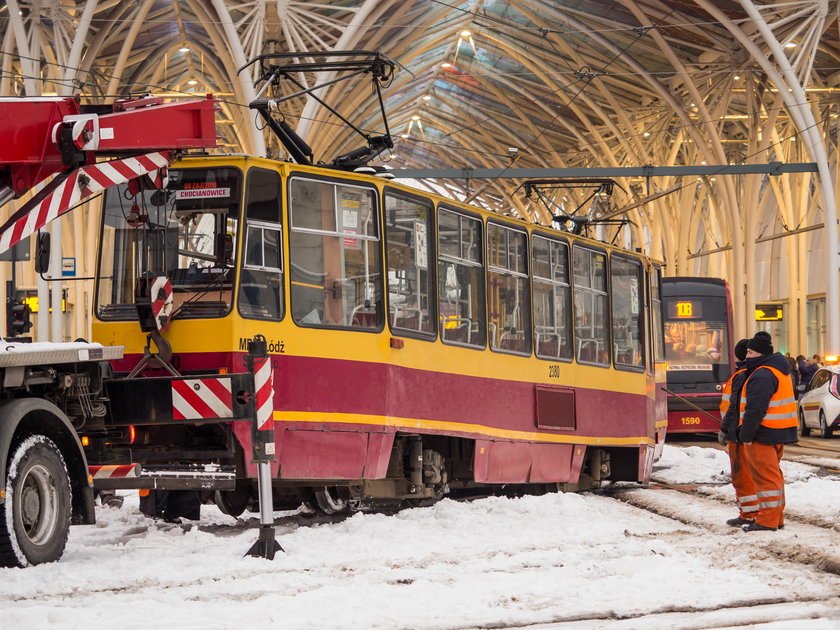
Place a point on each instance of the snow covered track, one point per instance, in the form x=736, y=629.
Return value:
x=553, y=561
x=812, y=545
x=817, y=614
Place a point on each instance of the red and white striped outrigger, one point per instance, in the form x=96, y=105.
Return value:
x=43, y=138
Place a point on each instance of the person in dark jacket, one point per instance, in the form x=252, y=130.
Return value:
x=766, y=422
x=807, y=369
x=728, y=436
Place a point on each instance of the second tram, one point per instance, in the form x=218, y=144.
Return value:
x=697, y=314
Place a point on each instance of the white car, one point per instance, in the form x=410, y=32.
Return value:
x=819, y=404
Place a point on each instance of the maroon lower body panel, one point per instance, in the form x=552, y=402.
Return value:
x=319, y=454
x=333, y=454
x=525, y=462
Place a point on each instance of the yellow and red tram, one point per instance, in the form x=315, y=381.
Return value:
x=419, y=345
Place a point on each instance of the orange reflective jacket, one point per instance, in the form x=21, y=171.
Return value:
x=781, y=412
x=726, y=393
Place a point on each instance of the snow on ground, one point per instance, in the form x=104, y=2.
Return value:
x=559, y=560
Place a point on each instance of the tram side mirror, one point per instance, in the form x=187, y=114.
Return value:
x=42, y=253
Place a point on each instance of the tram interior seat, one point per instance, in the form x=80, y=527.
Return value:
x=624, y=354
x=462, y=332
x=512, y=339
x=551, y=344
x=410, y=318
x=363, y=315
x=590, y=350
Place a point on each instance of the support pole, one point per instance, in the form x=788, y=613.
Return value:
x=262, y=434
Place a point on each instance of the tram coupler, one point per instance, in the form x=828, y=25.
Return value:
x=262, y=433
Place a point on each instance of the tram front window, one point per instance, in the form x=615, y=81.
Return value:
x=185, y=232
x=696, y=338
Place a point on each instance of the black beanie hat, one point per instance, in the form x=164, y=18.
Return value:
x=761, y=343
x=741, y=349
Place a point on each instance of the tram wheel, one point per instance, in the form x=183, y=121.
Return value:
x=331, y=500
x=804, y=431
x=826, y=431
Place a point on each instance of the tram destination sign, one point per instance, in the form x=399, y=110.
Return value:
x=769, y=313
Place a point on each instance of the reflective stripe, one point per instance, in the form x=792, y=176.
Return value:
x=725, y=397
x=785, y=401
x=770, y=493
x=776, y=416
x=752, y=497
x=770, y=504
x=749, y=508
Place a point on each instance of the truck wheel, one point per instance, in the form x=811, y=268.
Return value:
x=35, y=517
x=233, y=502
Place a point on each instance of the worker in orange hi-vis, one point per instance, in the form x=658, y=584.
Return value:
x=767, y=421
x=742, y=480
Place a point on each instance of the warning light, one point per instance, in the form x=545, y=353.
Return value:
x=85, y=440
x=132, y=434
x=831, y=358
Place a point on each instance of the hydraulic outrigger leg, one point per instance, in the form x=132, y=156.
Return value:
x=262, y=434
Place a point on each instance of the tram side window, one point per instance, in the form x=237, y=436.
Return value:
x=261, y=278
x=508, y=300
x=408, y=224
x=460, y=279
x=591, y=317
x=336, y=272
x=627, y=292
x=552, y=298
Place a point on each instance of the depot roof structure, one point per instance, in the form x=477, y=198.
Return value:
x=520, y=84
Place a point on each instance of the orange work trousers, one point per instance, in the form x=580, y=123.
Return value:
x=763, y=462
x=742, y=480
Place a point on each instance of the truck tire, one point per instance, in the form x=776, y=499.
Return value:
x=35, y=517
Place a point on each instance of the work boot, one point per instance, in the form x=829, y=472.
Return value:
x=737, y=522
x=755, y=527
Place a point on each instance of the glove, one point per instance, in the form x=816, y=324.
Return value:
x=722, y=438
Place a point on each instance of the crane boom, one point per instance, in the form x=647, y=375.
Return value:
x=52, y=137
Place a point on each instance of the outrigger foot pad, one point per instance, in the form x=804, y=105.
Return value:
x=266, y=546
